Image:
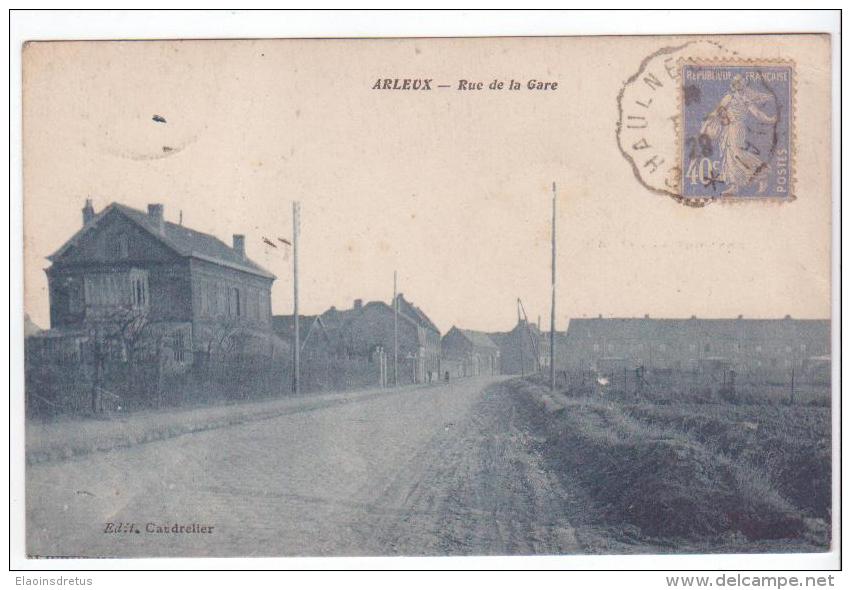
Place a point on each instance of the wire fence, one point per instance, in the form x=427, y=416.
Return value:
x=694, y=386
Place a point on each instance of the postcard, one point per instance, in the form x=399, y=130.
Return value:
x=428, y=296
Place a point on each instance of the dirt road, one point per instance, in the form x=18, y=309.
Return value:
x=441, y=470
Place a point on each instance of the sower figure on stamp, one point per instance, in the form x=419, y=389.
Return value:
x=741, y=161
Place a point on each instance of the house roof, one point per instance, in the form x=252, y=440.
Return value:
x=183, y=240
x=640, y=328
x=522, y=329
x=419, y=317
x=334, y=319
x=309, y=327
x=477, y=339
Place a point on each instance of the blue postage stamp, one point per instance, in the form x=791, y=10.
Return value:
x=736, y=134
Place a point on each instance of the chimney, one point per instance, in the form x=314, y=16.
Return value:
x=155, y=214
x=646, y=316
x=88, y=212
x=239, y=244
x=358, y=304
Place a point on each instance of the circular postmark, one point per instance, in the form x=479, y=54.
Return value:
x=650, y=117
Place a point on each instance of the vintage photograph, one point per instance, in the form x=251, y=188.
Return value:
x=428, y=296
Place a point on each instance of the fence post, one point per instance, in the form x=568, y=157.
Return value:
x=159, y=391
x=792, y=389
x=98, y=377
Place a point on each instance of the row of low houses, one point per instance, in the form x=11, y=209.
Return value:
x=762, y=348
x=187, y=297
x=766, y=347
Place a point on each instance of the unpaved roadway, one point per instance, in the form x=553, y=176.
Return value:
x=441, y=470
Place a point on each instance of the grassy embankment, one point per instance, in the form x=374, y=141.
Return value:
x=740, y=477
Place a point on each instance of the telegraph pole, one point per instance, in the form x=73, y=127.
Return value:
x=296, y=344
x=553, y=306
x=395, y=333
x=520, y=326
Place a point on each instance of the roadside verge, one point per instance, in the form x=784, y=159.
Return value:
x=69, y=437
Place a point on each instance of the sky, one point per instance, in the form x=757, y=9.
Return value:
x=449, y=188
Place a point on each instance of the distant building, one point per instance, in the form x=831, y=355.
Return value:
x=523, y=350
x=469, y=353
x=188, y=286
x=366, y=329
x=757, y=346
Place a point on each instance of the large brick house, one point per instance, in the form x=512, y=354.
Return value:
x=184, y=284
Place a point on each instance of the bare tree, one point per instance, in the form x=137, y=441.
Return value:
x=128, y=330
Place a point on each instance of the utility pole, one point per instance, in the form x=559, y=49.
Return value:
x=395, y=333
x=520, y=327
x=553, y=307
x=296, y=344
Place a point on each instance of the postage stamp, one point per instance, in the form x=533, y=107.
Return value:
x=649, y=121
x=736, y=130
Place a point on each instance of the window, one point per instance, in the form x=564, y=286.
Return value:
x=596, y=348
x=803, y=348
x=139, y=286
x=759, y=348
x=103, y=290
x=75, y=296
x=662, y=347
x=112, y=289
x=706, y=348
x=222, y=300
x=251, y=304
x=205, y=300
x=212, y=299
x=179, y=347
x=692, y=347
x=235, y=303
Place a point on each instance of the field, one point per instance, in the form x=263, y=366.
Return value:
x=714, y=476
